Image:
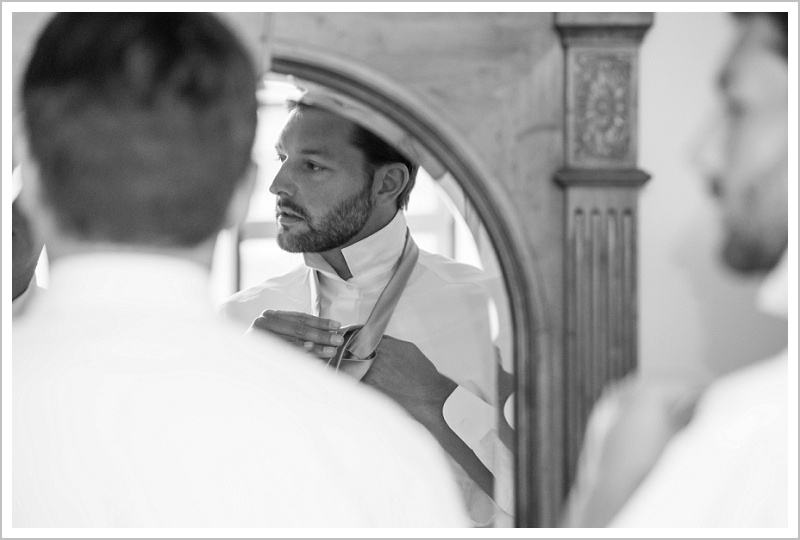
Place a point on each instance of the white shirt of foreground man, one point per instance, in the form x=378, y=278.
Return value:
x=442, y=311
x=729, y=466
x=156, y=414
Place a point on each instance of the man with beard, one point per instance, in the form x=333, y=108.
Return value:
x=676, y=455
x=340, y=192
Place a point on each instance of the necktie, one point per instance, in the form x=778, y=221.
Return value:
x=356, y=354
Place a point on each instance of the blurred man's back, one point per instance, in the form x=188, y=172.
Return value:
x=133, y=407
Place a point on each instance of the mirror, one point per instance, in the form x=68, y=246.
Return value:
x=374, y=60
x=443, y=221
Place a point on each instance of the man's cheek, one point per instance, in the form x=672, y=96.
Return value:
x=764, y=141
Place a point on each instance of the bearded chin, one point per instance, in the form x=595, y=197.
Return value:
x=334, y=229
x=752, y=255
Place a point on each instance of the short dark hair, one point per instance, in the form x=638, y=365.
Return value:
x=377, y=152
x=780, y=21
x=142, y=124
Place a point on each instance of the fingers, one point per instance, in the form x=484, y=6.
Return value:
x=316, y=335
x=321, y=351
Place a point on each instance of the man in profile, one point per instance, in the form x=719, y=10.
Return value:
x=133, y=405
x=660, y=455
x=340, y=194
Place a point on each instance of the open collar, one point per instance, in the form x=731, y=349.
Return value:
x=373, y=256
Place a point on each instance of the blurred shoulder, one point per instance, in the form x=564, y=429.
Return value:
x=284, y=292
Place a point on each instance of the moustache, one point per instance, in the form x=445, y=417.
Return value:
x=284, y=205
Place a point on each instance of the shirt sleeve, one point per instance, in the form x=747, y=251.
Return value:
x=475, y=423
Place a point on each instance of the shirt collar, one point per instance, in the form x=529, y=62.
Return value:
x=373, y=255
x=130, y=280
x=773, y=295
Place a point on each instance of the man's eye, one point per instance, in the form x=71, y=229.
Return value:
x=311, y=166
x=280, y=157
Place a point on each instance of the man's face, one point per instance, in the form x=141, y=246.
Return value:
x=746, y=155
x=323, y=194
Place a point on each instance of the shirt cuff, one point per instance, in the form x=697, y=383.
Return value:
x=475, y=423
x=469, y=416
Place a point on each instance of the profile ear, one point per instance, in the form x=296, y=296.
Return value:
x=390, y=181
x=26, y=173
x=30, y=200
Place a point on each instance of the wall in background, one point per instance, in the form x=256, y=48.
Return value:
x=695, y=316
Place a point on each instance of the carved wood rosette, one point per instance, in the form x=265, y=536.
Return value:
x=601, y=183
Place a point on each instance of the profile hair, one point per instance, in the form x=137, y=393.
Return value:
x=142, y=124
x=377, y=152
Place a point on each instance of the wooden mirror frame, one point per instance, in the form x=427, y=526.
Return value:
x=558, y=377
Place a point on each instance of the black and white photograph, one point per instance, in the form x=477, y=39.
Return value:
x=362, y=270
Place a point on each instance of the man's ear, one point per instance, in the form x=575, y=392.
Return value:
x=389, y=182
x=240, y=201
x=26, y=173
x=30, y=201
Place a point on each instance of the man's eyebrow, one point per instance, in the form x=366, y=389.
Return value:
x=314, y=152
x=308, y=151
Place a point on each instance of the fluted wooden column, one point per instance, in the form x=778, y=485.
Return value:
x=602, y=182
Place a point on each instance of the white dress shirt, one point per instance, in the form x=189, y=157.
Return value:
x=443, y=310
x=729, y=466
x=133, y=405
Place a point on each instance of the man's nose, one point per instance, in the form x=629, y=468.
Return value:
x=707, y=154
x=282, y=184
